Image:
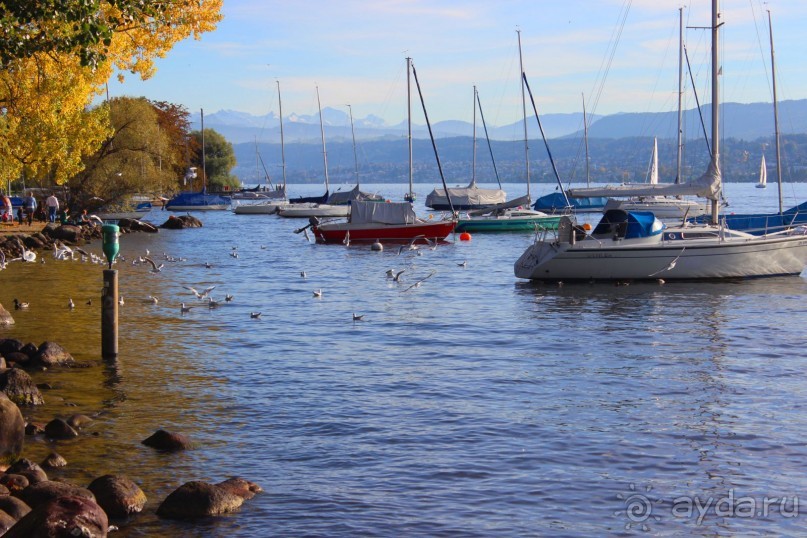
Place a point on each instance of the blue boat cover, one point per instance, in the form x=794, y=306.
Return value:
x=199, y=199
x=555, y=202
x=636, y=224
x=762, y=223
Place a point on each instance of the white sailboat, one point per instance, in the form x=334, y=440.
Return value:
x=763, y=174
x=628, y=246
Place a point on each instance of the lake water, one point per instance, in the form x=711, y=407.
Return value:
x=473, y=405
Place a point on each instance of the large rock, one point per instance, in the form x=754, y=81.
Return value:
x=170, y=442
x=64, y=517
x=181, y=222
x=37, y=494
x=5, y=317
x=52, y=354
x=14, y=507
x=20, y=388
x=12, y=429
x=136, y=225
x=198, y=499
x=14, y=483
x=6, y=522
x=30, y=470
x=66, y=232
x=119, y=496
x=30, y=349
x=19, y=358
x=54, y=461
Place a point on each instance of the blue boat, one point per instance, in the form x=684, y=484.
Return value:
x=762, y=223
x=556, y=203
x=197, y=201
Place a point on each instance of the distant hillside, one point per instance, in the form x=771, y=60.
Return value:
x=740, y=121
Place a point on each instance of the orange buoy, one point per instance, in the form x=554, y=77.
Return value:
x=465, y=236
x=587, y=227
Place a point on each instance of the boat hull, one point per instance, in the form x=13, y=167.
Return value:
x=296, y=211
x=209, y=207
x=497, y=224
x=668, y=260
x=263, y=208
x=337, y=232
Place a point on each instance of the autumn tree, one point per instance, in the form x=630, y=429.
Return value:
x=134, y=159
x=56, y=56
x=219, y=160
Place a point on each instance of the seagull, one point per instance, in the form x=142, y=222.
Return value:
x=154, y=267
x=263, y=247
x=228, y=298
x=204, y=293
x=463, y=264
x=397, y=276
x=70, y=304
x=358, y=317
x=255, y=315
x=153, y=300
x=208, y=265
x=390, y=273
x=660, y=281
x=234, y=254
x=89, y=303
x=302, y=274
x=20, y=306
x=212, y=303
x=412, y=245
x=318, y=294
x=421, y=281
x=120, y=300
x=184, y=309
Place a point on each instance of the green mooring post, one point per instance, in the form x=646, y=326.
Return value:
x=109, y=295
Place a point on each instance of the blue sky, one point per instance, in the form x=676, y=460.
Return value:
x=355, y=52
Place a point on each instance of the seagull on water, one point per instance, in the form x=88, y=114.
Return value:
x=255, y=315
x=397, y=276
x=228, y=298
x=20, y=306
x=120, y=300
x=212, y=303
x=184, y=309
x=208, y=265
x=318, y=293
x=70, y=304
x=89, y=303
x=463, y=264
x=302, y=274
x=151, y=299
x=358, y=317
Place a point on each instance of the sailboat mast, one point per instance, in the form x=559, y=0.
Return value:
x=776, y=118
x=585, y=140
x=524, y=116
x=204, y=169
x=282, y=142
x=409, y=123
x=680, y=94
x=324, y=153
x=473, y=160
x=353, y=134
x=715, y=164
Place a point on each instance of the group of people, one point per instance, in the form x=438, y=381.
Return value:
x=48, y=210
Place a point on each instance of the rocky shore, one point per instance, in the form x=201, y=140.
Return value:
x=35, y=500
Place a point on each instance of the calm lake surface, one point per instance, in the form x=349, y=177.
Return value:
x=473, y=405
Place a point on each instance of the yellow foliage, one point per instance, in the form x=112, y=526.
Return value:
x=47, y=126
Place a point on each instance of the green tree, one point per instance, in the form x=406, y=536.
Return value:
x=219, y=160
x=135, y=159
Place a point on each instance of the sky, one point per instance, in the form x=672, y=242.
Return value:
x=354, y=51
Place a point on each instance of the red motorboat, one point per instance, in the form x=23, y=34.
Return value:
x=390, y=222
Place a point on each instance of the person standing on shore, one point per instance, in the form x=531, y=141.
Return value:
x=29, y=203
x=8, y=214
x=53, y=207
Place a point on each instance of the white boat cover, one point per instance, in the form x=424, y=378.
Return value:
x=353, y=194
x=521, y=201
x=382, y=213
x=466, y=196
x=706, y=186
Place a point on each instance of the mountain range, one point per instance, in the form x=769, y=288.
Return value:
x=740, y=121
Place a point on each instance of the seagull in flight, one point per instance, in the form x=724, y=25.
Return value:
x=421, y=281
x=154, y=267
x=397, y=276
x=205, y=292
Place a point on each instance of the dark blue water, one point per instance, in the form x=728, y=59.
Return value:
x=473, y=405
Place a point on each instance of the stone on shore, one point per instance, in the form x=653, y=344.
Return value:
x=181, y=222
x=54, y=461
x=78, y=421
x=14, y=483
x=64, y=517
x=136, y=225
x=167, y=441
x=12, y=429
x=19, y=358
x=198, y=499
x=20, y=388
x=59, y=429
x=52, y=354
x=38, y=494
x=14, y=507
x=119, y=496
x=30, y=470
x=6, y=522
x=9, y=345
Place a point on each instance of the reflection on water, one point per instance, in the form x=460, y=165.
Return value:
x=473, y=405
